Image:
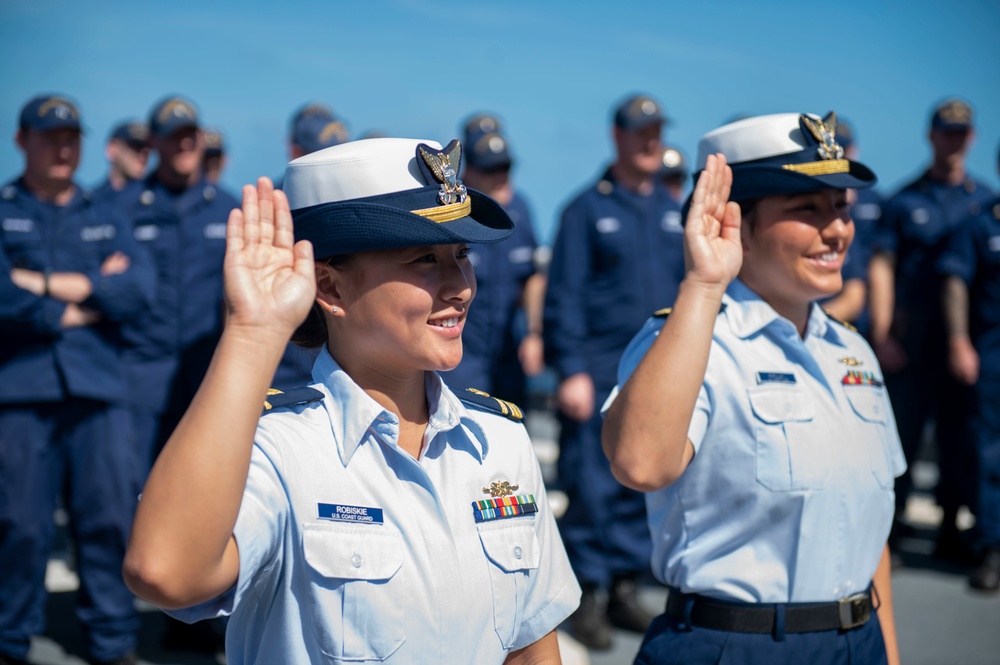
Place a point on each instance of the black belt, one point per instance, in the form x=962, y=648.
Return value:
x=705, y=612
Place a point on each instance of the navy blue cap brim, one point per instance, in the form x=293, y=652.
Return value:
x=641, y=123
x=385, y=222
x=490, y=161
x=755, y=181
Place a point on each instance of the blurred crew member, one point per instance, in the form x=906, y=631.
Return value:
x=617, y=257
x=127, y=152
x=312, y=128
x=908, y=333
x=502, y=339
x=214, y=159
x=68, y=279
x=674, y=173
x=971, y=299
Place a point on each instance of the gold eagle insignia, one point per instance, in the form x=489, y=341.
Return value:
x=445, y=165
x=825, y=133
x=850, y=362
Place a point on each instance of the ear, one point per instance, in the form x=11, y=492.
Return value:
x=329, y=283
x=19, y=139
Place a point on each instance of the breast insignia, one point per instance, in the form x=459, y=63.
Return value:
x=487, y=402
x=500, y=488
x=277, y=398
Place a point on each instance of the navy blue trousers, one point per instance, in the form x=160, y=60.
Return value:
x=604, y=528
x=82, y=449
x=987, y=433
x=667, y=643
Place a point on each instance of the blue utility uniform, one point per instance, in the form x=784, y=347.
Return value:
x=168, y=351
x=493, y=329
x=789, y=497
x=916, y=225
x=973, y=254
x=866, y=213
x=353, y=551
x=617, y=256
x=63, y=422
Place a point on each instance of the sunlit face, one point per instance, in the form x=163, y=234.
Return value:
x=404, y=309
x=640, y=149
x=130, y=160
x=52, y=155
x=794, y=246
x=952, y=143
x=180, y=152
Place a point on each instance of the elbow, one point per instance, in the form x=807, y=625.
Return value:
x=634, y=468
x=150, y=579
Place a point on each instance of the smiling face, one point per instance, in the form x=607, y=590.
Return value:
x=401, y=311
x=794, y=248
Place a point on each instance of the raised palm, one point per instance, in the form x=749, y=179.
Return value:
x=713, y=253
x=270, y=279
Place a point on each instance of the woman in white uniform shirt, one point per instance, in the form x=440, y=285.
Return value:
x=373, y=516
x=758, y=426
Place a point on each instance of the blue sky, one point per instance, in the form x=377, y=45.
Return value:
x=552, y=70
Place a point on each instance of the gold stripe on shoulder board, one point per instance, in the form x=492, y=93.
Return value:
x=271, y=391
x=663, y=313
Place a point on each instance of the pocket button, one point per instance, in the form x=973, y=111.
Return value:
x=518, y=552
x=357, y=560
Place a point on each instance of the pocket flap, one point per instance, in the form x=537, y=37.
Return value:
x=510, y=546
x=774, y=404
x=868, y=402
x=352, y=552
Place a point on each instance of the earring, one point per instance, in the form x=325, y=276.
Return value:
x=335, y=310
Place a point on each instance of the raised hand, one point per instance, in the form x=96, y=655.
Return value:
x=270, y=279
x=712, y=250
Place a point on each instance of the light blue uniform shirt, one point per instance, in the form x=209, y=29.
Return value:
x=789, y=497
x=351, y=550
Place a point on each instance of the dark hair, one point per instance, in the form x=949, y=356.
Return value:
x=748, y=209
x=312, y=333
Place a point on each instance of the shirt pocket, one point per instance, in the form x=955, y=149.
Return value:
x=356, y=590
x=790, y=456
x=511, y=552
x=872, y=413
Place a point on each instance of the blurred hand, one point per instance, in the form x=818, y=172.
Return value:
x=29, y=280
x=115, y=264
x=713, y=253
x=890, y=354
x=530, y=353
x=270, y=281
x=75, y=316
x=963, y=361
x=575, y=397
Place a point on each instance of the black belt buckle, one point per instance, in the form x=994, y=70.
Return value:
x=854, y=611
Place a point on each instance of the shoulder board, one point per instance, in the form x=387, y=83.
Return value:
x=487, y=402
x=292, y=397
x=843, y=323
x=667, y=311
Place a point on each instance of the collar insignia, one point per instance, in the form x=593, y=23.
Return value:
x=444, y=166
x=500, y=488
x=825, y=133
x=849, y=361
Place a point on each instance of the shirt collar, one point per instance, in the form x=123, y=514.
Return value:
x=748, y=314
x=355, y=416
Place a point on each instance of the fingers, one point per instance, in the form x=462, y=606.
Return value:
x=251, y=216
x=284, y=233
x=304, y=264
x=234, y=231
x=265, y=207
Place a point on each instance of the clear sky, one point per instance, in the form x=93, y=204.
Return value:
x=551, y=70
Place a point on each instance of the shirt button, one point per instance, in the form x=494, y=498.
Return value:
x=518, y=551
x=357, y=560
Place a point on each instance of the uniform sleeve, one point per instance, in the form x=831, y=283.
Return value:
x=565, y=326
x=258, y=532
x=959, y=256
x=553, y=592
x=127, y=295
x=885, y=238
x=22, y=313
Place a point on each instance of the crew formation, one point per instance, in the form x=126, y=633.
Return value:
x=749, y=452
